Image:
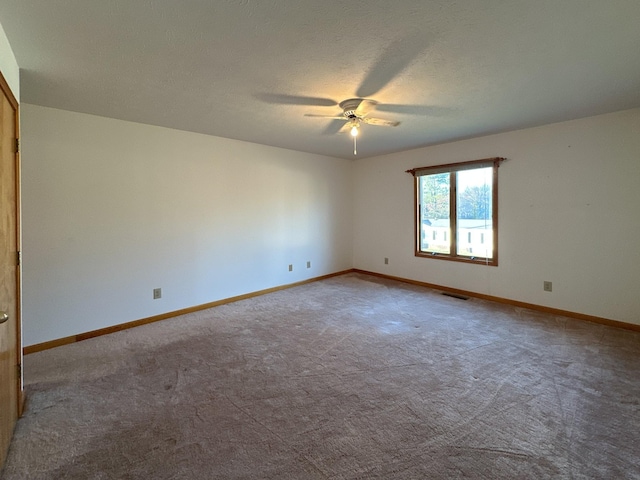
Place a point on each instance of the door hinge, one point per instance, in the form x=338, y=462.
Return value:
x=17, y=145
x=19, y=368
x=18, y=257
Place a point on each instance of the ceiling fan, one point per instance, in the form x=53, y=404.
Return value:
x=393, y=60
x=355, y=112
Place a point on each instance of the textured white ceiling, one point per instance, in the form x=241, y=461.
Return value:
x=243, y=69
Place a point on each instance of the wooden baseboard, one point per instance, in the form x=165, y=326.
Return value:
x=515, y=303
x=156, y=318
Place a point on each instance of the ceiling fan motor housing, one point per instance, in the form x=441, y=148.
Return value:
x=350, y=104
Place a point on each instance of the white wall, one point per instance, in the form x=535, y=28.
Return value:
x=569, y=212
x=8, y=65
x=113, y=209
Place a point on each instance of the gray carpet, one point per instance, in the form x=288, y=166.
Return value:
x=352, y=377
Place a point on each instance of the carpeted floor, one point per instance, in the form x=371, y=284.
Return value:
x=352, y=377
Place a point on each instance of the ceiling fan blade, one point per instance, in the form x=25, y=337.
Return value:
x=345, y=128
x=393, y=60
x=335, y=117
x=281, y=99
x=365, y=107
x=335, y=126
x=380, y=122
x=413, y=109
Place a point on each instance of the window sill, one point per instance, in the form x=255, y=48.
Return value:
x=491, y=262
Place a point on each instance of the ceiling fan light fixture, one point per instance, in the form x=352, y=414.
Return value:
x=354, y=131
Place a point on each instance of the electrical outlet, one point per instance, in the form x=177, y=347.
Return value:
x=157, y=293
x=386, y=261
x=308, y=264
x=547, y=286
x=291, y=267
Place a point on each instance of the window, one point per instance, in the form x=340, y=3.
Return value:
x=460, y=199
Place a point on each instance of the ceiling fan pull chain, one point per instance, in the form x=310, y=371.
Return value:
x=355, y=151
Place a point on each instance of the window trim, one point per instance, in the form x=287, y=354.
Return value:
x=451, y=168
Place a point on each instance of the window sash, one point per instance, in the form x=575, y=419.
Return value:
x=452, y=168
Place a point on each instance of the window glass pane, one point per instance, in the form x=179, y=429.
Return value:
x=434, y=207
x=474, y=215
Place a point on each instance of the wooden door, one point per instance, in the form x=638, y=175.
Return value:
x=10, y=355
